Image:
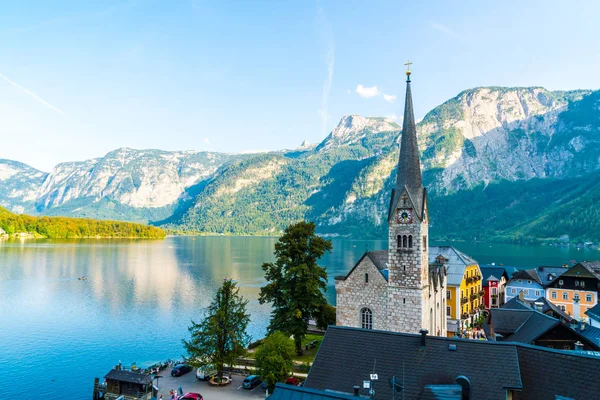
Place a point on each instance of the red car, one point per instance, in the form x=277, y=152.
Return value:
x=191, y=396
x=292, y=380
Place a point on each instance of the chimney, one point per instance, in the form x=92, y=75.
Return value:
x=578, y=345
x=539, y=306
x=356, y=390
x=465, y=385
x=423, y=333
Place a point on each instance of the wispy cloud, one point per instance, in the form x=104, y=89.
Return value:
x=328, y=44
x=32, y=94
x=392, y=117
x=367, y=92
x=390, y=97
x=444, y=29
x=206, y=140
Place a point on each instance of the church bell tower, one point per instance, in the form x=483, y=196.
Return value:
x=411, y=297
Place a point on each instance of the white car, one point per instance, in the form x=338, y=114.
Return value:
x=205, y=372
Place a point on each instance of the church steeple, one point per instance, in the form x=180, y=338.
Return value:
x=409, y=166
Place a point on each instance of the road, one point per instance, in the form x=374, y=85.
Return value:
x=189, y=383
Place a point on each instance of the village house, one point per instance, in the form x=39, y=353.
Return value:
x=532, y=282
x=463, y=287
x=576, y=290
x=594, y=315
x=493, y=282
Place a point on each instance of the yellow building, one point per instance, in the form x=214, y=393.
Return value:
x=463, y=288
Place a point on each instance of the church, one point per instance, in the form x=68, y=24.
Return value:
x=398, y=289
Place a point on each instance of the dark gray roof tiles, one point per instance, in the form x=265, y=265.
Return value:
x=129, y=376
x=589, y=332
x=516, y=304
x=290, y=392
x=548, y=373
x=535, y=326
x=547, y=275
x=379, y=258
x=348, y=355
x=593, y=267
x=594, y=312
x=506, y=321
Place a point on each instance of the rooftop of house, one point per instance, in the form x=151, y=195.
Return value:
x=594, y=312
x=517, y=303
x=129, y=376
x=535, y=372
x=290, y=392
x=492, y=273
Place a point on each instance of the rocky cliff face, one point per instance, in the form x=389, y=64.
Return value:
x=135, y=179
x=481, y=137
x=19, y=185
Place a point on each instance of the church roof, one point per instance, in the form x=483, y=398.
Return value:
x=379, y=258
x=456, y=264
x=409, y=166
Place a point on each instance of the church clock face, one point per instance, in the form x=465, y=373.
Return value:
x=404, y=215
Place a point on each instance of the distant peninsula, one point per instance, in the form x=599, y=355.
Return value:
x=20, y=225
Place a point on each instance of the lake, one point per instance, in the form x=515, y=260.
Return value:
x=59, y=332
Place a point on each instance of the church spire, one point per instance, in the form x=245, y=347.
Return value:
x=409, y=166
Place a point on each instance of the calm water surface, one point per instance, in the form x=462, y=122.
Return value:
x=57, y=333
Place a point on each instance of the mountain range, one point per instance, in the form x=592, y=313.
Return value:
x=511, y=164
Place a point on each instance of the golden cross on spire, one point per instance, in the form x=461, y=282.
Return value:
x=408, y=64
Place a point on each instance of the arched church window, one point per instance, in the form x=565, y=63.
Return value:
x=410, y=241
x=366, y=278
x=399, y=241
x=404, y=241
x=366, y=318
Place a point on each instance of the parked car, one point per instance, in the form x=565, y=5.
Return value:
x=191, y=396
x=206, y=372
x=292, y=380
x=181, y=369
x=251, y=382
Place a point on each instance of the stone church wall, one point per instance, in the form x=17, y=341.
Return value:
x=353, y=294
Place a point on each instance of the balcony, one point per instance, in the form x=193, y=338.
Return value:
x=474, y=296
x=464, y=300
x=464, y=316
x=482, y=293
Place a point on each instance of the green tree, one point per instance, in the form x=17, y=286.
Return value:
x=274, y=359
x=295, y=282
x=325, y=316
x=221, y=337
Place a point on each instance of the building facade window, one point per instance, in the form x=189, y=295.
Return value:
x=513, y=290
x=448, y=311
x=565, y=296
x=448, y=295
x=366, y=318
x=424, y=243
x=588, y=298
x=366, y=278
x=553, y=294
x=410, y=241
x=494, y=291
x=537, y=293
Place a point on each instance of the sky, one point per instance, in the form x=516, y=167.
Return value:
x=79, y=79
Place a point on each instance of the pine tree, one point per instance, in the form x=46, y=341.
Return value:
x=221, y=337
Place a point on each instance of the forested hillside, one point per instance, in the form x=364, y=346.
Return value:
x=61, y=227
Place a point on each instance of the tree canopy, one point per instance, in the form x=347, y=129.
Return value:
x=275, y=359
x=221, y=336
x=296, y=282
